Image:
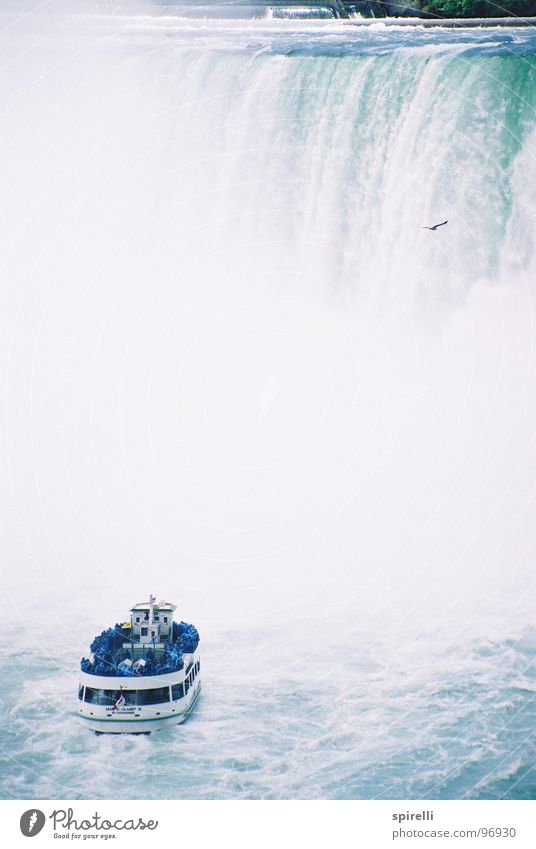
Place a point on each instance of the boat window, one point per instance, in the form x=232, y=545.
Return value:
x=186, y=685
x=100, y=697
x=81, y=692
x=129, y=696
x=153, y=697
x=144, y=632
x=137, y=618
x=110, y=697
x=165, y=619
x=177, y=691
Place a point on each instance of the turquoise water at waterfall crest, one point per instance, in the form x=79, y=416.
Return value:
x=237, y=372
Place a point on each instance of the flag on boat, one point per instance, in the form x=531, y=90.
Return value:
x=119, y=703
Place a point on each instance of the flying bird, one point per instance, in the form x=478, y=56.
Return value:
x=435, y=225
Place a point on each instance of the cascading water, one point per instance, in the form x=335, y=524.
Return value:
x=238, y=372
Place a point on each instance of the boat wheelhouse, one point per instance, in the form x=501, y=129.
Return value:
x=144, y=674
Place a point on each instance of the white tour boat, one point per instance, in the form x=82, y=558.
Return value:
x=143, y=675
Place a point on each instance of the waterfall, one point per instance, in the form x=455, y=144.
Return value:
x=340, y=161
x=230, y=315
